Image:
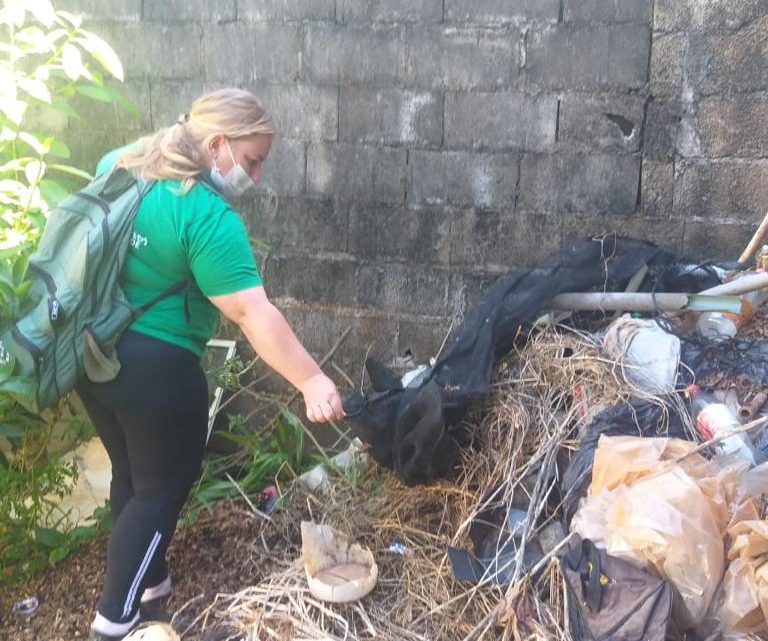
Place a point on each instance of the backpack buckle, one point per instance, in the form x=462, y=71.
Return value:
x=55, y=313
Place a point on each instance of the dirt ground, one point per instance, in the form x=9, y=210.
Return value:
x=226, y=550
x=223, y=551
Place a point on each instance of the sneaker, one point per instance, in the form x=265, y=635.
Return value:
x=100, y=636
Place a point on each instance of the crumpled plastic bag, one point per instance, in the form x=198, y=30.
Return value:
x=649, y=509
x=745, y=586
x=649, y=355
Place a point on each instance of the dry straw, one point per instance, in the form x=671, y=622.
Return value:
x=520, y=436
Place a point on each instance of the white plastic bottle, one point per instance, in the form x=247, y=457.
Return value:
x=713, y=419
x=724, y=325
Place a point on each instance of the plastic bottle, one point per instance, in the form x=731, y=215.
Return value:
x=761, y=259
x=713, y=419
x=725, y=325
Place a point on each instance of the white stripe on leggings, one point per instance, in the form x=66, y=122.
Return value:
x=140, y=574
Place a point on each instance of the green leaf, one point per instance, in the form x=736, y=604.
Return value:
x=82, y=532
x=13, y=109
x=49, y=537
x=102, y=93
x=53, y=191
x=11, y=431
x=39, y=147
x=15, y=12
x=72, y=61
x=72, y=171
x=19, y=387
x=35, y=88
x=35, y=39
x=34, y=171
x=71, y=18
x=22, y=289
x=58, y=554
x=43, y=11
x=13, y=166
x=62, y=106
x=58, y=148
x=7, y=293
x=20, y=268
x=102, y=52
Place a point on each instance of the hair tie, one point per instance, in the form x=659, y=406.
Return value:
x=183, y=119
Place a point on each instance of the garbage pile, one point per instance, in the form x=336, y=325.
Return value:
x=586, y=476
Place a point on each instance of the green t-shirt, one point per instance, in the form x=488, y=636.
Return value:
x=196, y=235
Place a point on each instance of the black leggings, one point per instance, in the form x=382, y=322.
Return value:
x=153, y=422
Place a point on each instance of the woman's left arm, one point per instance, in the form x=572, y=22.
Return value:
x=274, y=341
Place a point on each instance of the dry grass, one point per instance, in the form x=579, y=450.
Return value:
x=520, y=434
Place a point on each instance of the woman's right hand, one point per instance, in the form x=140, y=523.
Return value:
x=322, y=399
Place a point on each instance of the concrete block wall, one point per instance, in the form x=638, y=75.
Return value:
x=427, y=146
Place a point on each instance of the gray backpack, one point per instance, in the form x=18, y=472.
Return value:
x=76, y=309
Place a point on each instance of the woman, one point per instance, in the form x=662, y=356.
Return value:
x=153, y=417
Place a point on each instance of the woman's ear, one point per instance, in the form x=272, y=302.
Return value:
x=213, y=145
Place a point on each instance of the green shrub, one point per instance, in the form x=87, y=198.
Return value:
x=46, y=60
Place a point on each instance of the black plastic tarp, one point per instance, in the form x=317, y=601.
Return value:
x=410, y=429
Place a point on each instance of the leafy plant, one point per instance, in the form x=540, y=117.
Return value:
x=264, y=460
x=46, y=59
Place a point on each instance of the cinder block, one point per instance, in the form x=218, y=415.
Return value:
x=371, y=333
x=144, y=51
x=246, y=51
x=590, y=57
x=282, y=10
x=311, y=279
x=412, y=235
x=41, y=117
x=305, y=112
x=579, y=183
x=101, y=116
x=734, y=126
x=726, y=190
x=666, y=233
x=733, y=62
x=189, y=10
x=475, y=286
x=461, y=57
x=709, y=15
x=662, y=128
x=336, y=54
x=607, y=10
x=668, y=64
x=285, y=168
x=350, y=11
x=354, y=171
x=304, y=224
x=506, y=239
x=171, y=98
x=88, y=147
x=602, y=122
x=404, y=289
x=420, y=339
x=657, y=185
x=495, y=12
x=715, y=241
x=482, y=180
x=506, y=120
x=113, y=10
x=391, y=116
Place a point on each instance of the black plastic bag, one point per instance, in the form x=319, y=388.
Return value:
x=464, y=370
x=633, y=418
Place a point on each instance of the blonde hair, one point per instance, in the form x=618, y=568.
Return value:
x=178, y=152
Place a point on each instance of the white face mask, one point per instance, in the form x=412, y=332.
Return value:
x=236, y=182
